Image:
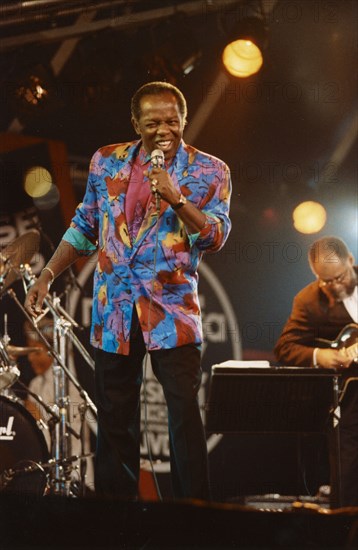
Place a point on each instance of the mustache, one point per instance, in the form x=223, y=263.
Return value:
x=343, y=292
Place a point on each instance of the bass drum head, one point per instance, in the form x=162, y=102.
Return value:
x=22, y=446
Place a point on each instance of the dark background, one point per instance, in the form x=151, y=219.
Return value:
x=288, y=133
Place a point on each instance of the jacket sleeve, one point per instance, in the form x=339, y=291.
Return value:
x=86, y=217
x=296, y=344
x=216, y=206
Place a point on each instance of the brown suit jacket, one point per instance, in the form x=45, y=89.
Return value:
x=312, y=317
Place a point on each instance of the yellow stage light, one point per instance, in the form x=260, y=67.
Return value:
x=309, y=217
x=242, y=58
x=243, y=55
x=37, y=182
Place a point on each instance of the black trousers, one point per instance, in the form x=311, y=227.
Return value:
x=118, y=383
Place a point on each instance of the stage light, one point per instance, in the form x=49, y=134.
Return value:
x=38, y=184
x=173, y=52
x=309, y=217
x=37, y=181
x=35, y=94
x=34, y=87
x=243, y=56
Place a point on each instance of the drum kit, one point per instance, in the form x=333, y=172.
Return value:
x=27, y=465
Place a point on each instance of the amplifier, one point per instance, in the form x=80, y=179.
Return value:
x=269, y=399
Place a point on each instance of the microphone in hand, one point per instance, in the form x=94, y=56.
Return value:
x=157, y=158
x=157, y=161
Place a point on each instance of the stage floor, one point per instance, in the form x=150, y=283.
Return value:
x=60, y=522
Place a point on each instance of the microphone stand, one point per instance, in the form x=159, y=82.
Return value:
x=60, y=449
x=54, y=306
x=52, y=352
x=62, y=334
x=59, y=432
x=62, y=484
x=50, y=410
x=62, y=442
x=83, y=461
x=72, y=282
x=72, y=336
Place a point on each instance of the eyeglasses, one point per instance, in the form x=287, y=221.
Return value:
x=335, y=281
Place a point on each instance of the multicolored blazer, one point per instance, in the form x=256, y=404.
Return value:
x=165, y=294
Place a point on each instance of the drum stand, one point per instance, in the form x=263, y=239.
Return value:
x=60, y=474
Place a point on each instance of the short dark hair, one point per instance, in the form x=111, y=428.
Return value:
x=332, y=246
x=157, y=88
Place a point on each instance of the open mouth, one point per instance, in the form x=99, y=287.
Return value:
x=164, y=145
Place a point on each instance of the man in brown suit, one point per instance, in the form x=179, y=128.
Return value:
x=320, y=311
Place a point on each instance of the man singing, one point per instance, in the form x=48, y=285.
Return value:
x=151, y=226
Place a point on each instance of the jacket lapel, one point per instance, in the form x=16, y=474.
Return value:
x=177, y=172
x=120, y=167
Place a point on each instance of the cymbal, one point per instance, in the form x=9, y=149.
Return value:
x=16, y=351
x=20, y=251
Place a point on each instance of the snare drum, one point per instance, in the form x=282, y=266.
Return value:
x=22, y=447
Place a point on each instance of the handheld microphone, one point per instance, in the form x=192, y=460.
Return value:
x=157, y=161
x=157, y=158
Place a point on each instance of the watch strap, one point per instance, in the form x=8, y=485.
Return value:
x=182, y=201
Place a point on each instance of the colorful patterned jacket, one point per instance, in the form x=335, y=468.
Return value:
x=124, y=275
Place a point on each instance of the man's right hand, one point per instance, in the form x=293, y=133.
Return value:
x=332, y=358
x=63, y=257
x=37, y=294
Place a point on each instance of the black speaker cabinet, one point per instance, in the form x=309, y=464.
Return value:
x=269, y=399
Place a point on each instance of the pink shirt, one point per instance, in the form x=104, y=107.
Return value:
x=138, y=195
